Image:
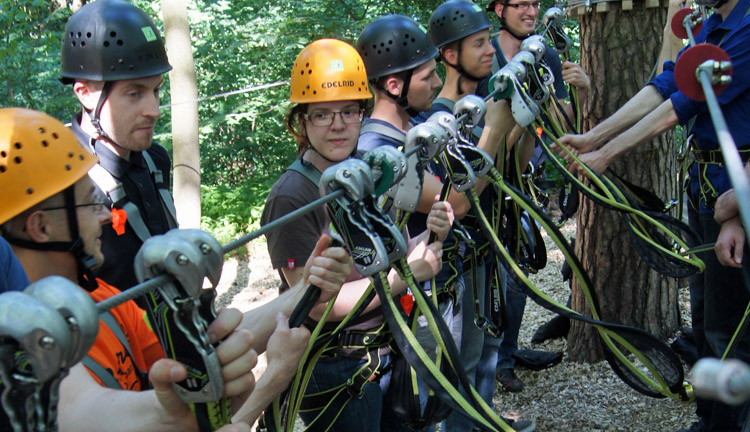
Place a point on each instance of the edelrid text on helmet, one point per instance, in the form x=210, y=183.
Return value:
x=39, y=157
x=328, y=70
x=392, y=44
x=111, y=40
x=455, y=20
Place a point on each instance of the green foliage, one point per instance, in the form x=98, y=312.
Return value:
x=30, y=32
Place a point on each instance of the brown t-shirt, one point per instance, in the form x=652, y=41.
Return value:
x=291, y=245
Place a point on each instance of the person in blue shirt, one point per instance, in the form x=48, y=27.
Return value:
x=719, y=295
x=12, y=276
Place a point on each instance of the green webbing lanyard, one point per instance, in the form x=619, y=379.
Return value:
x=666, y=376
x=641, y=223
x=474, y=408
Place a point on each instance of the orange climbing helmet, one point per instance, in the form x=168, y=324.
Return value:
x=39, y=157
x=328, y=70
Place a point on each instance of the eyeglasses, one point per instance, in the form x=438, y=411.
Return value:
x=325, y=118
x=522, y=6
x=99, y=204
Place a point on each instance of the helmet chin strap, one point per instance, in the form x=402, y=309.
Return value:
x=401, y=99
x=95, y=115
x=84, y=261
x=462, y=72
x=504, y=27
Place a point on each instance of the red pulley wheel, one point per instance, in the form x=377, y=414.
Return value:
x=684, y=71
x=678, y=26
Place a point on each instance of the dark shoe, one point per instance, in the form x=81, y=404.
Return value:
x=509, y=381
x=557, y=327
x=520, y=425
x=698, y=426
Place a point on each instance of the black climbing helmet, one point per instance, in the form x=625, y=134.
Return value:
x=392, y=44
x=455, y=20
x=111, y=40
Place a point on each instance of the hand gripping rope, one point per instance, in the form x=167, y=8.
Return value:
x=656, y=370
x=702, y=72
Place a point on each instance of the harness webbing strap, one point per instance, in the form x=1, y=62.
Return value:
x=102, y=373
x=166, y=199
x=116, y=193
x=382, y=129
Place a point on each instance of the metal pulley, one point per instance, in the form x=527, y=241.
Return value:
x=76, y=307
x=536, y=45
x=352, y=175
x=388, y=167
x=182, y=313
x=702, y=57
x=471, y=106
x=686, y=18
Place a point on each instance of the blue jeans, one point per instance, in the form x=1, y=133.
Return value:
x=472, y=347
x=515, y=303
x=718, y=298
x=363, y=414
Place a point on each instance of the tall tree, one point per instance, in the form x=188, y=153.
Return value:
x=184, y=91
x=619, y=50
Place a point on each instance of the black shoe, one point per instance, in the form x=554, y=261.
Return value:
x=698, y=426
x=509, y=381
x=557, y=327
x=520, y=425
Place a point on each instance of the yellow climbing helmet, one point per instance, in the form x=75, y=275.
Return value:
x=328, y=70
x=39, y=157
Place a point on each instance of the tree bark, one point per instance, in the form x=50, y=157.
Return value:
x=619, y=50
x=184, y=90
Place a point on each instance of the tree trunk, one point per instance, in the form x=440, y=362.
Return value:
x=184, y=90
x=619, y=50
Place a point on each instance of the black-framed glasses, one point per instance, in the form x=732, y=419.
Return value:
x=522, y=6
x=325, y=118
x=99, y=204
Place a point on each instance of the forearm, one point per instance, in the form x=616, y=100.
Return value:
x=636, y=109
x=267, y=388
x=87, y=406
x=660, y=120
x=261, y=321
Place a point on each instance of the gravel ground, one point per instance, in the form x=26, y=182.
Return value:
x=568, y=397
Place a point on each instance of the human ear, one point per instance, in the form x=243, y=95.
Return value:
x=87, y=93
